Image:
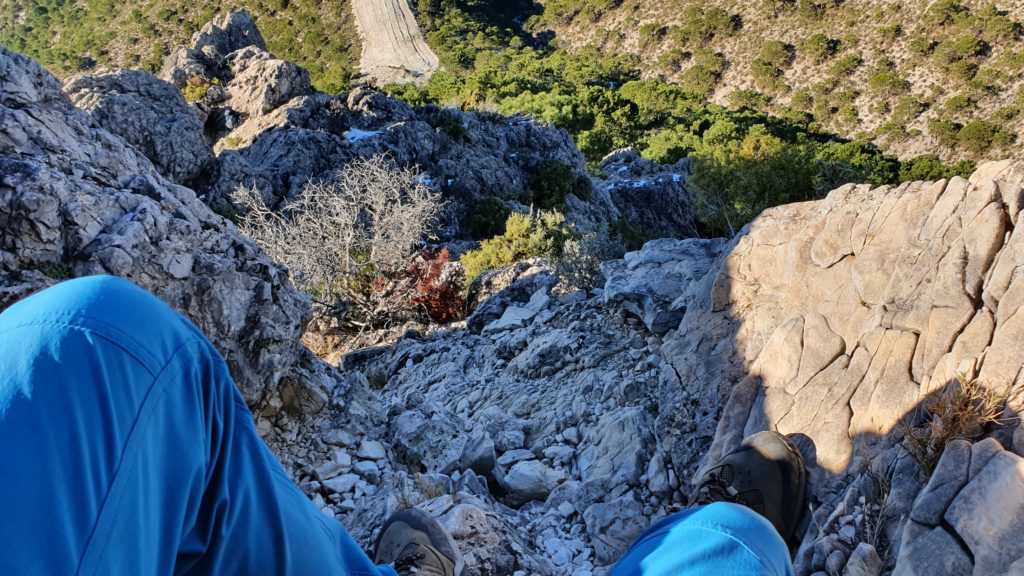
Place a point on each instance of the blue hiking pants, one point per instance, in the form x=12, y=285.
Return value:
x=125, y=448
x=713, y=540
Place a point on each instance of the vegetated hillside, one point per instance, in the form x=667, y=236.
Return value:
x=70, y=36
x=743, y=160
x=928, y=76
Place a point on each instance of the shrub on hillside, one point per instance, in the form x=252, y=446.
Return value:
x=867, y=163
x=979, y=136
x=819, y=47
x=846, y=65
x=438, y=285
x=733, y=183
x=751, y=99
x=944, y=131
x=196, y=88
x=486, y=218
x=928, y=167
x=553, y=182
x=579, y=266
x=348, y=241
x=668, y=146
x=539, y=234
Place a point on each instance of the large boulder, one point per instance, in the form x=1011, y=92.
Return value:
x=650, y=197
x=429, y=439
x=77, y=200
x=617, y=449
x=970, y=515
x=494, y=291
x=205, y=57
x=652, y=282
x=149, y=114
x=835, y=321
x=260, y=83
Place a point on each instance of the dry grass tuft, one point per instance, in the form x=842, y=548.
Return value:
x=962, y=410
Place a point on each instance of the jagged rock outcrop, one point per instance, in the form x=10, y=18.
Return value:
x=650, y=283
x=77, y=200
x=149, y=114
x=206, y=56
x=818, y=321
x=273, y=132
x=836, y=319
x=650, y=197
x=969, y=517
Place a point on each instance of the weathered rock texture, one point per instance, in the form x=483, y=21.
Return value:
x=834, y=320
x=76, y=200
x=151, y=115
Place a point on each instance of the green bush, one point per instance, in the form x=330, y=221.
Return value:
x=846, y=66
x=960, y=48
x=751, y=99
x=652, y=35
x=946, y=12
x=888, y=82
x=945, y=131
x=776, y=54
x=486, y=218
x=907, y=109
x=536, y=235
x=196, y=88
x=700, y=79
x=735, y=182
x=958, y=104
x=921, y=46
x=553, y=182
x=819, y=47
x=700, y=26
x=802, y=100
x=979, y=136
x=867, y=163
x=928, y=167
x=668, y=146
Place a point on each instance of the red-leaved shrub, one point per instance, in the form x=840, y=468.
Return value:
x=438, y=284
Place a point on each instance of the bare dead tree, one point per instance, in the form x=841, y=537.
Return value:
x=350, y=238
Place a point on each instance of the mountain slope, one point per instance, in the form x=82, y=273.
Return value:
x=69, y=37
x=917, y=77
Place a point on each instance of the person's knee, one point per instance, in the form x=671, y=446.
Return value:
x=113, y=306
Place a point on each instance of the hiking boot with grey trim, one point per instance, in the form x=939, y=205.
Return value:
x=415, y=543
x=766, y=474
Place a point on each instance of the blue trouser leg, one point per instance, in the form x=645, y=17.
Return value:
x=720, y=538
x=126, y=449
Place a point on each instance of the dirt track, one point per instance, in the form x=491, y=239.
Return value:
x=393, y=47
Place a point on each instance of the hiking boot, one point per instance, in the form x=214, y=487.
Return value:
x=415, y=543
x=766, y=474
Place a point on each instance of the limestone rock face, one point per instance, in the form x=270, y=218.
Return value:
x=652, y=197
x=77, y=200
x=494, y=291
x=974, y=505
x=205, y=56
x=836, y=320
x=149, y=114
x=262, y=83
x=652, y=282
x=272, y=131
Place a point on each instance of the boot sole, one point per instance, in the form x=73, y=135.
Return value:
x=439, y=537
